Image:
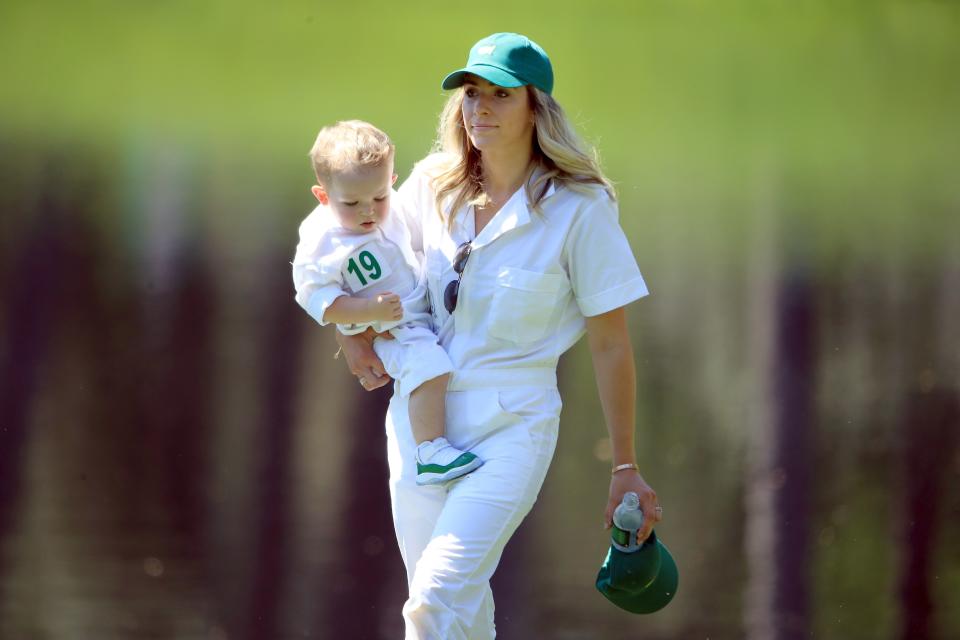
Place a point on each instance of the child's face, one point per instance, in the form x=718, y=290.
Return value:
x=359, y=197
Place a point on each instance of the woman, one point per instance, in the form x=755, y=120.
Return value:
x=522, y=254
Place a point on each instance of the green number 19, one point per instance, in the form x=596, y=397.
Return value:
x=369, y=264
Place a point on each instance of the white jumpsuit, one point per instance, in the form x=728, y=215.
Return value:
x=528, y=285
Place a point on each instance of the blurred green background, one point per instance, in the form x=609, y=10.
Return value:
x=175, y=438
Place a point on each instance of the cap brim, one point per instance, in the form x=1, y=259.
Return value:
x=494, y=75
x=654, y=596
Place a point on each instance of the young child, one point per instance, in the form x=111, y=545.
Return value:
x=355, y=267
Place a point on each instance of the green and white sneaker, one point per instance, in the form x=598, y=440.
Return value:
x=438, y=461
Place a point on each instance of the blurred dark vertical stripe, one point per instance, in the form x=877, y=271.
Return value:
x=280, y=354
x=366, y=562
x=930, y=432
x=174, y=400
x=31, y=310
x=183, y=393
x=794, y=379
x=778, y=490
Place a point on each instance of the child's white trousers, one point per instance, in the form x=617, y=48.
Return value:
x=451, y=536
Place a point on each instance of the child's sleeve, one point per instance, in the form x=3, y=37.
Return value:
x=318, y=282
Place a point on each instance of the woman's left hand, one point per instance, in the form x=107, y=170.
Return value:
x=630, y=480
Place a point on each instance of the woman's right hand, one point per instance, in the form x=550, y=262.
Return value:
x=362, y=359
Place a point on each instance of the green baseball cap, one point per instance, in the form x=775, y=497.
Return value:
x=640, y=582
x=506, y=60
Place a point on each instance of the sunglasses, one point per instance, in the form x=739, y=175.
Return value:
x=452, y=292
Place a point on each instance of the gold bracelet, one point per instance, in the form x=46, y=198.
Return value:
x=621, y=467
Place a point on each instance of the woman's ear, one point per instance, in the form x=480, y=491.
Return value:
x=393, y=180
x=321, y=194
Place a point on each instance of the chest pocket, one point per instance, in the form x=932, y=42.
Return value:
x=523, y=304
x=364, y=268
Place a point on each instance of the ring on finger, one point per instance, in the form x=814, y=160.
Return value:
x=659, y=511
x=363, y=381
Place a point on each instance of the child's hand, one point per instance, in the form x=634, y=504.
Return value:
x=386, y=306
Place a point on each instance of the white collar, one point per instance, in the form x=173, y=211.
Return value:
x=514, y=214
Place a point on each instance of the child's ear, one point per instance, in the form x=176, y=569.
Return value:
x=393, y=180
x=320, y=194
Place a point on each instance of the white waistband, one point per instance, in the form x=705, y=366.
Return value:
x=463, y=379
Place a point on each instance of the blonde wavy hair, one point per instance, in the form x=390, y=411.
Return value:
x=560, y=153
x=348, y=144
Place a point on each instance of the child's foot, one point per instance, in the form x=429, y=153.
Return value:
x=439, y=461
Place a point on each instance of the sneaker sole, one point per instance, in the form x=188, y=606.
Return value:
x=439, y=478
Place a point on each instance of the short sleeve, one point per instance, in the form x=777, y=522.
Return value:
x=317, y=282
x=408, y=203
x=417, y=198
x=603, y=272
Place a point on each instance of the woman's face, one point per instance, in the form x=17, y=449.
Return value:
x=497, y=118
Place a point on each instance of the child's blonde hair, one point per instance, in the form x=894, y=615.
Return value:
x=561, y=154
x=348, y=144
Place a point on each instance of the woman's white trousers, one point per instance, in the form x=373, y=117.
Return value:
x=451, y=537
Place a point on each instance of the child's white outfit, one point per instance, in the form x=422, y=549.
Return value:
x=332, y=261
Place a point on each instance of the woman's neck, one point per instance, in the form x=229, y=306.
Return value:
x=503, y=175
